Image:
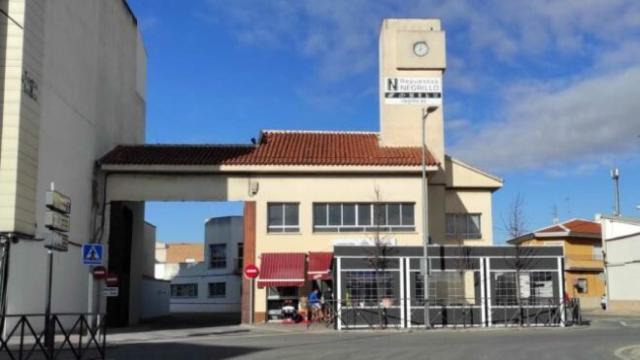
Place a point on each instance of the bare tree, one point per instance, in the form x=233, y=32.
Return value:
x=515, y=224
x=515, y=227
x=377, y=257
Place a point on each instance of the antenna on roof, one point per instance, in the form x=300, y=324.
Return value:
x=253, y=140
x=615, y=176
x=554, y=214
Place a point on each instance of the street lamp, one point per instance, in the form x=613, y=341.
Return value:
x=425, y=217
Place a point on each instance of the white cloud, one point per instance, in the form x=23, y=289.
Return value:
x=586, y=114
x=342, y=35
x=588, y=122
x=457, y=124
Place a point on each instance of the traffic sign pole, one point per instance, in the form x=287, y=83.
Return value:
x=47, y=312
x=251, y=301
x=251, y=271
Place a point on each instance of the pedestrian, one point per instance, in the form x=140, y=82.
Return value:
x=603, y=302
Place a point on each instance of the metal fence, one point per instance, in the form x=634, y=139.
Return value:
x=72, y=336
x=446, y=314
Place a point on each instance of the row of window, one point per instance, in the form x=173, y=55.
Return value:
x=216, y=290
x=218, y=256
x=370, y=288
x=365, y=217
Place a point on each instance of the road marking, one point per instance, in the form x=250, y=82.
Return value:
x=631, y=352
x=626, y=324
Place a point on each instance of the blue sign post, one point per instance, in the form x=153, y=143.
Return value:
x=92, y=254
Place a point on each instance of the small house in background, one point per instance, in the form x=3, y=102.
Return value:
x=621, y=237
x=214, y=284
x=170, y=256
x=584, y=265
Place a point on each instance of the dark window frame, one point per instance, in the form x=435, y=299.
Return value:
x=285, y=227
x=466, y=233
x=176, y=293
x=216, y=286
x=376, y=219
x=217, y=262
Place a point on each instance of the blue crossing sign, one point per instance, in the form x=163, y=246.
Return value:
x=92, y=254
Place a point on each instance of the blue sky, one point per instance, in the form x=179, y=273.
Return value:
x=543, y=94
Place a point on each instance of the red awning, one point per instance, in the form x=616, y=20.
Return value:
x=319, y=266
x=282, y=269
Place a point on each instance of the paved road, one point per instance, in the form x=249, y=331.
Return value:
x=601, y=340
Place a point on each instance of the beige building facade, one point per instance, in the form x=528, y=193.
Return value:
x=308, y=191
x=73, y=86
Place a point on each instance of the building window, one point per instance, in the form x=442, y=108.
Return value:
x=217, y=289
x=463, y=226
x=506, y=289
x=184, y=290
x=360, y=217
x=582, y=286
x=217, y=256
x=282, y=217
x=368, y=288
x=446, y=288
x=540, y=287
x=536, y=288
x=597, y=252
x=239, y=260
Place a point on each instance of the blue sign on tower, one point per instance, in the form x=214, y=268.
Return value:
x=92, y=254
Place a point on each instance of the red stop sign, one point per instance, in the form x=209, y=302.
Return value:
x=99, y=272
x=112, y=280
x=251, y=271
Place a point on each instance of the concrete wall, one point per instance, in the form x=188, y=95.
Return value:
x=155, y=298
x=91, y=93
x=148, y=260
x=624, y=266
x=400, y=125
x=21, y=108
x=203, y=303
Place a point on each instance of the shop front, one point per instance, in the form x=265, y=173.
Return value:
x=467, y=286
x=289, y=278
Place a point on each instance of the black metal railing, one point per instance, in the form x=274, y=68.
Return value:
x=71, y=336
x=445, y=313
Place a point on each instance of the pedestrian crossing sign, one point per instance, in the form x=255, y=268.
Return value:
x=92, y=254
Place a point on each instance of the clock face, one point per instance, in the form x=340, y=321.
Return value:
x=420, y=48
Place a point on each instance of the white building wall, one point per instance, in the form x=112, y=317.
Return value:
x=155, y=298
x=222, y=230
x=621, y=238
x=623, y=264
x=90, y=99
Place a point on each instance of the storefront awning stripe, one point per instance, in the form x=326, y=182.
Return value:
x=319, y=265
x=282, y=269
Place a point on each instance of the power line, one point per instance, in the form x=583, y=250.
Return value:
x=12, y=19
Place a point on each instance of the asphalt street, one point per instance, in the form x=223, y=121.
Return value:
x=605, y=338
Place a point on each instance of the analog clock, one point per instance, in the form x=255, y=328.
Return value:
x=420, y=48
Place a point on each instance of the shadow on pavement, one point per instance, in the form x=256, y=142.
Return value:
x=182, y=321
x=177, y=351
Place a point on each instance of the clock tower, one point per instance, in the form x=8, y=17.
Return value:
x=412, y=62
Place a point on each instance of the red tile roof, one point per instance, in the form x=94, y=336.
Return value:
x=583, y=226
x=276, y=148
x=551, y=229
x=571, y=228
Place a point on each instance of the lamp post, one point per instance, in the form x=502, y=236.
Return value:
x=425, y=217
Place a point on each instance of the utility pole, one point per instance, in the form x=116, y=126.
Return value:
x=615, y=176
x=425, y=218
